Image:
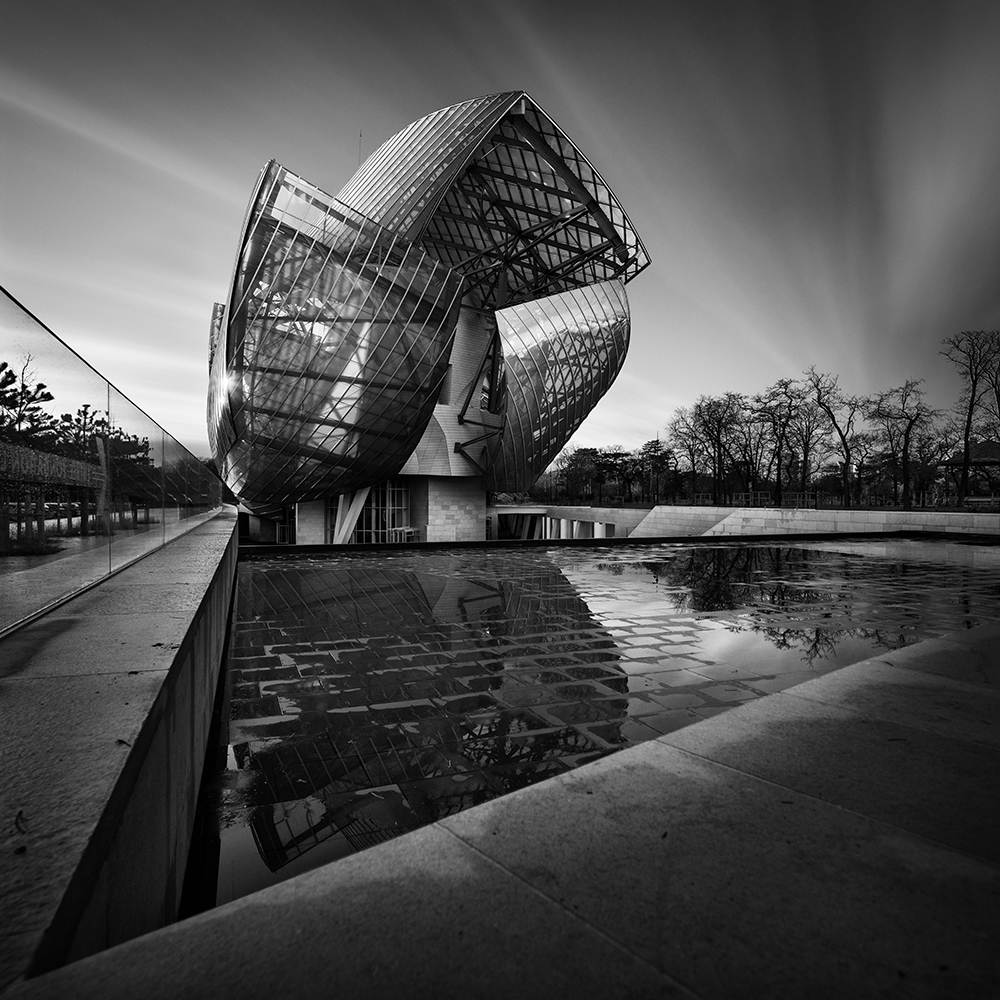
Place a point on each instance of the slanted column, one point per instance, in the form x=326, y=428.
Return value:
x=599, y=530
x=565, y=527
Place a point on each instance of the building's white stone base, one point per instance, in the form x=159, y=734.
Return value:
x=448, y=508
x=311, y=522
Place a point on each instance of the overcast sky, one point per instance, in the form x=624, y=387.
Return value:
x=816, y=183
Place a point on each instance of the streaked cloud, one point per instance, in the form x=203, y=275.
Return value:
x=31, y=97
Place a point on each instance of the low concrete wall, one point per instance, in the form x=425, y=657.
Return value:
x=711, y=521
x=107, y=704
x=680, y=521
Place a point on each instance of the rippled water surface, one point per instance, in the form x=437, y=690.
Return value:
x=371, y=694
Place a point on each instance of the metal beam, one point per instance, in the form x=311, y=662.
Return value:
x=544, y=150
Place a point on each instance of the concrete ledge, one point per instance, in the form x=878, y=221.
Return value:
x=665, y=521
x=107, y=704
x=836, y=840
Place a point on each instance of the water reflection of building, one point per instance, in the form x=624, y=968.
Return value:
x=390, y=694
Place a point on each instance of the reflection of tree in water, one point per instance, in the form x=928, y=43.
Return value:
x=772, y=587
x=725, y=578
x=821, y=643
x=408, y=695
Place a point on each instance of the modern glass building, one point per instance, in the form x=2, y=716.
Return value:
x=433, y=333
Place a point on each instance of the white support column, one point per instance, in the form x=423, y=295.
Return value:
x=565, y=527
x=348, y=511
x=599, y=530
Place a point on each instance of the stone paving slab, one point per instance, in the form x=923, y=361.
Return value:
x=472, y=930
x=62, y=645
x=959, y=709
x=921, y=782
x=138, y=596
x=965, y=656
x=56, y=779
x=737, y=886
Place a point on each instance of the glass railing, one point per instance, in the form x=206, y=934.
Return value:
x=88, y=482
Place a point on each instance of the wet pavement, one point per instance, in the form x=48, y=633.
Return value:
x=372, y=694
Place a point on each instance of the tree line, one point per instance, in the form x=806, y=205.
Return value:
x=24, y=420
x=84, y=466
x=806, y=438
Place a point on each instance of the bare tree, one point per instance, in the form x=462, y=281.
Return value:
x=575, y=471
x=753, y=450
x=991, y=400
x=807, y=435
x=842, y=412
x=716, y=418
x=778, y=405
x=976, y=355
x=23, y=419
x=686, y=442
x=933, y=443
x=900, y=412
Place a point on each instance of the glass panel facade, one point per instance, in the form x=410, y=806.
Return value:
x=83, y=472
x=338, y=339
x=385, y=516
x=406, y=175
x=561, y=355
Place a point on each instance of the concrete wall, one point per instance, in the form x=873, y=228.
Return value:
x=669, y=521
x=262, y=529
x=311, y=521
x=455, y=508
x=711, y=521
x=107, y=704
x=435, y=454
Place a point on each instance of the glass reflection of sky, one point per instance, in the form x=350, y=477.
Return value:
x=371, y=694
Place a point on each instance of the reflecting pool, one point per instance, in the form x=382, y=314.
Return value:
x=369, y=694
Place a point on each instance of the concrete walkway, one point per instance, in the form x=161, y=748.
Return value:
x=105, y=708
x=29, y=583
x=839, y=839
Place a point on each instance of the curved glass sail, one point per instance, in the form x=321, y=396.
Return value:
x=338, y=334
x=411, y=171
x=561, y=355
x=497, y=190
